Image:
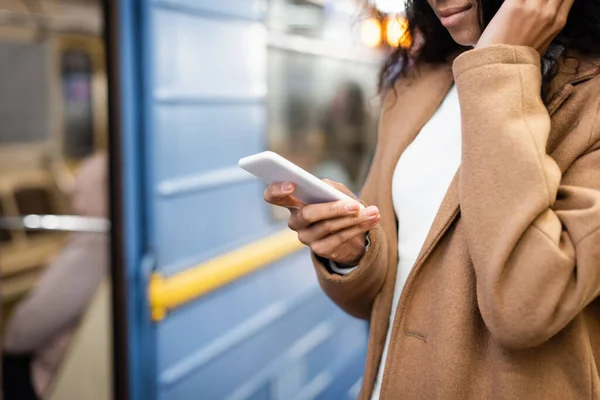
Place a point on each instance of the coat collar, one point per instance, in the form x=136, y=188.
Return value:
x=573, y=69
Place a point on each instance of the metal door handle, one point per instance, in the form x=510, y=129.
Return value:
x=60, y=223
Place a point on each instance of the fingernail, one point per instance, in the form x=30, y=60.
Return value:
x=352, y=207
x=287, y=187
x=372, y=212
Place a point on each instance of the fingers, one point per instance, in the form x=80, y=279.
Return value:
x=561, y=4
x=280, y=194
x=367, y=218
x=563, y=11
x=558, y=11
x=332, y=245
x=312, y=213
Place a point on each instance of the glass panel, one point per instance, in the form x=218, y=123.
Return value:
x=77, y=96
x=322, y=103
x=319, y=114
x=331, y=20
x=24, y=110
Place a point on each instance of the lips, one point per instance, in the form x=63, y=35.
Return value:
x=452, y=16
x=450, y=11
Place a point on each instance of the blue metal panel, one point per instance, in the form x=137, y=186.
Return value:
x=352, y=335
x=231, y=308
x=197, y=148
x=264, y=393
x=346, y=373
x=227, y=372
x=194, y=140
x=199, y=57
x=219, y=217
x=209, y=113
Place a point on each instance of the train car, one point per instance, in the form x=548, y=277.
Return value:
x=209, y=295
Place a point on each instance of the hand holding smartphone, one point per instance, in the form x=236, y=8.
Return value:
x=332, y=223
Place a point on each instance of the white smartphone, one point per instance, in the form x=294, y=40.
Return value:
x=272, y=168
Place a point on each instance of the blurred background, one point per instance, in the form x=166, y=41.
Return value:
x=137, y=261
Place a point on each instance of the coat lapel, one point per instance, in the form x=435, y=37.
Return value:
x=446, y=214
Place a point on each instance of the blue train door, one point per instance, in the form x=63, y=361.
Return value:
x=221, y=299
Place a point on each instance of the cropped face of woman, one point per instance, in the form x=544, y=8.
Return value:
x=461, y=18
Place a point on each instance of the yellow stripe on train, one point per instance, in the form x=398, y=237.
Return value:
x=168, y=293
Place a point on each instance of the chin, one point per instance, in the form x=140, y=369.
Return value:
x=465, y=37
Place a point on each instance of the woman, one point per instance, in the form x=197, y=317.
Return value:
x=482, y=268
x=43, y=324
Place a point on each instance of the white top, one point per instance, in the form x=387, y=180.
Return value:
x=419, y=184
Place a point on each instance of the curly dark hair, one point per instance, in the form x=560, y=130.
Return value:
x=581, y=33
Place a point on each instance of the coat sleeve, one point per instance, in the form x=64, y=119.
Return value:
x=533, y=232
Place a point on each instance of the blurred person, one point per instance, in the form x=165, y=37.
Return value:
x=477, y=259
x=41, y=328
x=346, y=126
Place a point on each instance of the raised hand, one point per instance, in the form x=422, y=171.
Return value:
x=533, y=23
